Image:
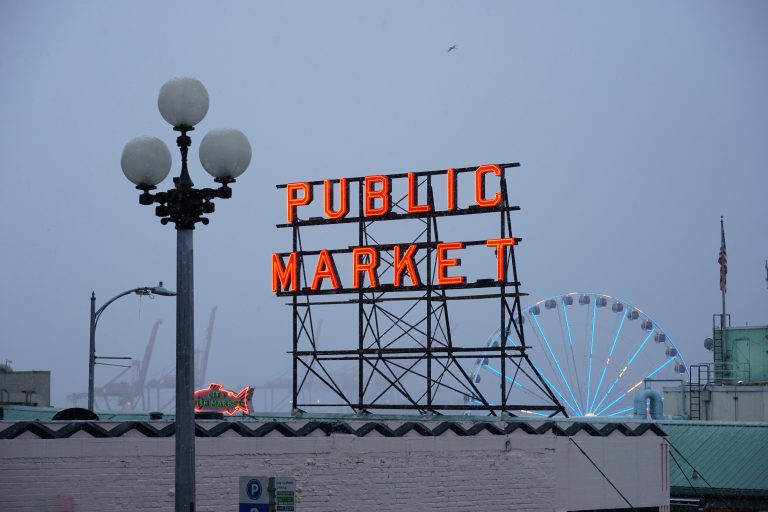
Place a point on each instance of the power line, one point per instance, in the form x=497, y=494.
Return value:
x=716, y=492
x=684, y=475
x=692, y=466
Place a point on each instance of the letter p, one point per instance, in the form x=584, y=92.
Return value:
x=295, y=200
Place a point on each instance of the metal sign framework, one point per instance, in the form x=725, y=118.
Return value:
x=407, y=358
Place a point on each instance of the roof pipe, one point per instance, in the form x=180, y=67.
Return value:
x=656, y=404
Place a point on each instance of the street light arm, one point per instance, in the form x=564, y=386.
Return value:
x=113, y=299
x=96, y=314
x=110, y=301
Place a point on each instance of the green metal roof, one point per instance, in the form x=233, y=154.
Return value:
x=728, y=456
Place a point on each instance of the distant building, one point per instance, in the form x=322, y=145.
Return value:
x=25, y=388
x=734, y=386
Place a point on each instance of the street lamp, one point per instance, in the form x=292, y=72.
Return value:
x=146, y=161
x=96, y=314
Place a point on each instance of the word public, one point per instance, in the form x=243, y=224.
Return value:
x=377, y=202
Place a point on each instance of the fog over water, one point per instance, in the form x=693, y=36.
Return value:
x=637, y=125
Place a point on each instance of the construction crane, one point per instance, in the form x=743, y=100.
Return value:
x=126, y=394
x=138, y=384
x=167, y=381
x=202, y=365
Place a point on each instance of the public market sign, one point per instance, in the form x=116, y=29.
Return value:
x=375, y=203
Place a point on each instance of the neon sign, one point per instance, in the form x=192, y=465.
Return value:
x=405, y=353
x=376, y=204
x=216, y=398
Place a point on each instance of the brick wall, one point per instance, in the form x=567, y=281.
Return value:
x=337, y=472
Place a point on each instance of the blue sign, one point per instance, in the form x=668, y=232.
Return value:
x=253, y=489
x=254, y=494
x=259, y=493
x=254, y=507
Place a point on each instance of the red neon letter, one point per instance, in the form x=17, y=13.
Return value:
x=282, y=275
x=500, y=244
x=405, y=262
x=451, y=189
x=294, y=200
x=413, y=196
x=371, y=194
x=369, y=266
x=480, y=186
x=325, y=268
x=443, y=262
x=343, y=206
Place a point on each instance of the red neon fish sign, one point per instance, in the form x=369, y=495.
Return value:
x=216, y=398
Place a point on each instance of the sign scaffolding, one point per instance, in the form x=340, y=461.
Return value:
x=406, y=356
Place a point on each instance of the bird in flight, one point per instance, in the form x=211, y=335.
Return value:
x=452, y=48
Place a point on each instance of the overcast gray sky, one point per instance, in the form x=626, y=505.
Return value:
x=637, y=126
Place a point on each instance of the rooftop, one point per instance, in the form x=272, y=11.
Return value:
x=705, y=457
x=726, y=456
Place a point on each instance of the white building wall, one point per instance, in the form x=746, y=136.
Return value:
x=340, y=472
x=637, y=469
x=724, y=402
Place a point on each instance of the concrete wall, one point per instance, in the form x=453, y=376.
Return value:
x=725, y=403
x=340, y=472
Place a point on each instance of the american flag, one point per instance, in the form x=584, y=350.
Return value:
x=722, y=259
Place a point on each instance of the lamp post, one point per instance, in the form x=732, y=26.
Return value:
x=96, y=314
x=146, y=161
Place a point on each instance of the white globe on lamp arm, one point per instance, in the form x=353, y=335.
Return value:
x=183, y=101
x=225, y=153
x=146, y=161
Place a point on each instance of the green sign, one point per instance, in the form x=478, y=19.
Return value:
x=285, y=494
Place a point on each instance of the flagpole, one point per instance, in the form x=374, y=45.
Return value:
x=723, y=271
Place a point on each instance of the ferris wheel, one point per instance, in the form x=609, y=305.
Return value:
x=592, y=350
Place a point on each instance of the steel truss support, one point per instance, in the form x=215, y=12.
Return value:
x=405, y=356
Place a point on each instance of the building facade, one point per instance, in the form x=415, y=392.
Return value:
x=25, y=388
x=345, y=464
